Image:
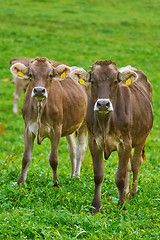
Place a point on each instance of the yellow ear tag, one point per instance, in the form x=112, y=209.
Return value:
x=20, y=74
x=128, y=82
x=63, y=75
x=81, y=81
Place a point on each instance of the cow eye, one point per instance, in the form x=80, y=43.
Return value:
x=51, y=75
x=116, y=82
x=92, y=82
x=30, y=75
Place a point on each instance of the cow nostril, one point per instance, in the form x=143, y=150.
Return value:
x=98, y=104
x=35, y=90
x=108, y=104
x=43, y=90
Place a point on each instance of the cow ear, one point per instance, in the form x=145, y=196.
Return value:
x=62, y=71
x=129, y=75
x=80, y=75
x=19, y=70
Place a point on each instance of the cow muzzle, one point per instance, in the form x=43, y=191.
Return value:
x=40, y=93
x=103, y=106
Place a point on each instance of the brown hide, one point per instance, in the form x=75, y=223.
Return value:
x=65, y=106
x=125, y=126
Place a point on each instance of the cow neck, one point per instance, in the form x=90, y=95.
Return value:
x=104, y=124
x=39, y=115
x=104, y=121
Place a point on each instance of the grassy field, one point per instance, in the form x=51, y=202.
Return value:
x=77, y=32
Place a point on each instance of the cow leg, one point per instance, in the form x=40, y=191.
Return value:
x=136, y=164
x=53, y=156
x=127, y=178
x=81, y=148
x=72, y=152
x=97, y=157
x=27, y=155
x=15, y=103
x=20, y=84
x=121, y=177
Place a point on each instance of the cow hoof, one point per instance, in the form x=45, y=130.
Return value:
x=95, y=210
x=20, y=181
x=15, y=112
x=121, y=205
x=76, y=176
x=56, y=183
x=127, y=196
x=133, y=192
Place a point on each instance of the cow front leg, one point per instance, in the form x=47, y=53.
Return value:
x=53, y=158
x=136, y=165
x=122, y=174
x=27, y=155
x=81, y=148
x=72, y=152
x=97, y=157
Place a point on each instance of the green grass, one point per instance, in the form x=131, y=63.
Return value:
x=78, y=33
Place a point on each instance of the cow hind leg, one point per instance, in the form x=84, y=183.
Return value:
x=72, y=152
x=15, y=103
x=81, y=148
x=136, y=165
x=20, y=85
x=123, y=173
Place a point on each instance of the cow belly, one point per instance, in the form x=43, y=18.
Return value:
x=141, y=128
x=70, y=129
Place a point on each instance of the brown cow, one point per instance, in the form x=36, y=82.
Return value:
x=119, y=118
x=21, y=83
x=52, y=108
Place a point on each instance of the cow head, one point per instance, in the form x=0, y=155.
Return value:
x=105, y=79
x=41, y=73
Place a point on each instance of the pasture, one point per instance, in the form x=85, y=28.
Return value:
x=77, y=33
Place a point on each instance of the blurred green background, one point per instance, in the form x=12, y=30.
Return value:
x=77, y=33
